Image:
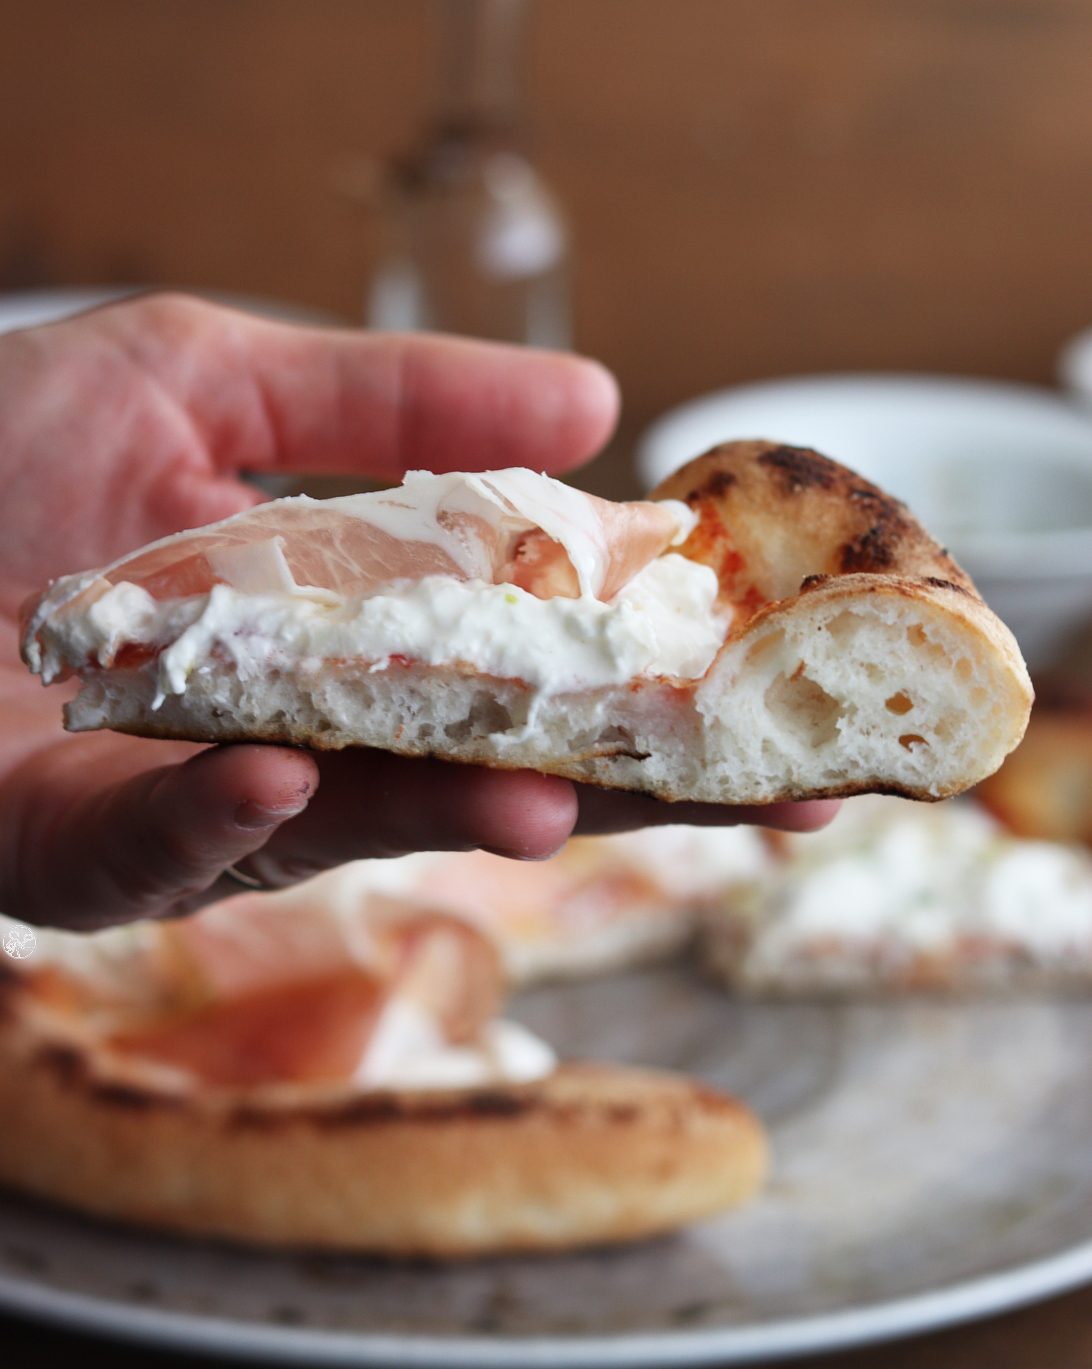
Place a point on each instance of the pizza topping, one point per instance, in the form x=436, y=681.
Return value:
x=600, y=903
x=663, y=622
x=429, y=573
x=407, y=1051
x=290, y=989
x=293, y=1018
x=505, y=526
x=300, y=1033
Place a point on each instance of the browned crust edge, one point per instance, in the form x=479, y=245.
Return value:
x=843, y=523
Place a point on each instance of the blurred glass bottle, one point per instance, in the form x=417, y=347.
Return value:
x=475, y=241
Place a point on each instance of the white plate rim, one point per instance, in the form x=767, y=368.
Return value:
x=751, y=1343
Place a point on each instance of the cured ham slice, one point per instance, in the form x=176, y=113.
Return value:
x=769, y=626
x=299, y=1033
x=269, y=989
x=505, y=527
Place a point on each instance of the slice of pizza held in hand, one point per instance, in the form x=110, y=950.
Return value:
x=766, y=626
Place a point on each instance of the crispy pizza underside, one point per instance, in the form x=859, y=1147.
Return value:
x=592, y=1154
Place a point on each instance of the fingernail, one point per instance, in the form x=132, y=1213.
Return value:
x=253, y=817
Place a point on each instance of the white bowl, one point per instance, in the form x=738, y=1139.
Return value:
x=1001, y=473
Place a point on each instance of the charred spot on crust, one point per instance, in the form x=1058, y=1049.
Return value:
x=712, y=486
x=871, y=494
x=874, y=550
x=496, y=1104
x=379, y=1108
x=126, y=1096
x=944, y=584
x=65, y=1062
x=69, y=1066
x=801, y=468
x=812, y=582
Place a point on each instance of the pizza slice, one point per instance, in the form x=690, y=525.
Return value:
x=767, y=626
x=309, y=1069
x=898, y=898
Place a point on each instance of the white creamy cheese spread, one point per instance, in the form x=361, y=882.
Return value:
x=466, y=526
x=661, y=623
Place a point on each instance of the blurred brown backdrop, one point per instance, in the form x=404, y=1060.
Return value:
x=756, y=187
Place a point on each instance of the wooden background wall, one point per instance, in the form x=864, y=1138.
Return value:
x=757, y=187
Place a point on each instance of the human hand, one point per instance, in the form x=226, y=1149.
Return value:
x=134, y=421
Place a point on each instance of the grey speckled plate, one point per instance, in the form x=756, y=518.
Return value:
x=932, y=1162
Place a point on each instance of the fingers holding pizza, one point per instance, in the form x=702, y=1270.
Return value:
x=101, y=839
x=768, y=628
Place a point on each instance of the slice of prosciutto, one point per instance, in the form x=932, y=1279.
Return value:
x=513, y=526
x=272, y=988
